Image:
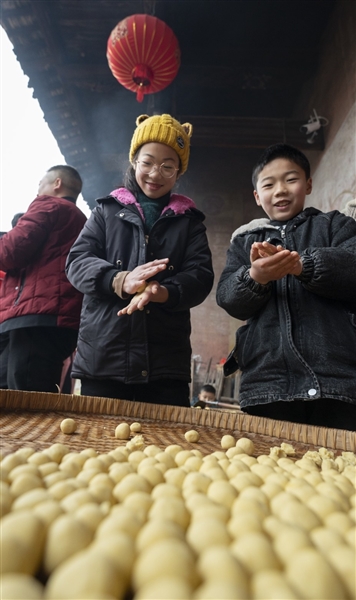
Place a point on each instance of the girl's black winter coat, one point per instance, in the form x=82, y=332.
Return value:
x=154, y=343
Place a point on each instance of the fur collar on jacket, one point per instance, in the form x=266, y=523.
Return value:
x=178, y=203
x=350, y=208
x=264, y=223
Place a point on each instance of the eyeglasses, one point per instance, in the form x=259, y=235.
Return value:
x=147, y=167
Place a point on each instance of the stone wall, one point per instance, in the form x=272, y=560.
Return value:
x=333, y=94
x=334, y=180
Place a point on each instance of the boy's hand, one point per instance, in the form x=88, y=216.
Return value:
x=264, y=249
x=270, y=263
x=153, y=292
x=135, y=281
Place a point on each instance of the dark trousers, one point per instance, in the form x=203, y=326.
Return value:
x=36, y=356
x=324, y=412
x=4, y=357
x=165, y=391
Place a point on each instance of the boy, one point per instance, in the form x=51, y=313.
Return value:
x=207, y=394
x=292, y=277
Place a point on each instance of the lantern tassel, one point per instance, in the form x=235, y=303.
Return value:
x=140, y=94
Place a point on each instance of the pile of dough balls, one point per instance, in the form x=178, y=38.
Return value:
x=146, y=522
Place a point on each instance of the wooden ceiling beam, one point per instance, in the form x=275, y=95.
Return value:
x=200, y=76
x=241, y=132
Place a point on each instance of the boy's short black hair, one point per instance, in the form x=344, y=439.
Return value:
x=280, y=151
x=208, y=388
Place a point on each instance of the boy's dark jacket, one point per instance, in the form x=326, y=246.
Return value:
x=299, y=341
x=150, y=344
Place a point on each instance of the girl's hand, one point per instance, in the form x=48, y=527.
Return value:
x=135, y=281
x=153, y=292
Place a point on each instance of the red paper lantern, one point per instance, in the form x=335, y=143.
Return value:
x=143, y=54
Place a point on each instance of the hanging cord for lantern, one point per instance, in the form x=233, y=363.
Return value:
x=149, y=7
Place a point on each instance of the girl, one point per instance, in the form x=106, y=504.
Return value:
x=142, y=261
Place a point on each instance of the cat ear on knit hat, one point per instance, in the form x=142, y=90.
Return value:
x=141, y=118
x=188, y=128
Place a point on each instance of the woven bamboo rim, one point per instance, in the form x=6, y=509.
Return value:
x=33, y=418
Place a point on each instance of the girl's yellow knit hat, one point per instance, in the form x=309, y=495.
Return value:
x=166, y=130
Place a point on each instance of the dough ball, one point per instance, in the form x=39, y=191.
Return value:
x=11, y=461
x=173, y=449
x=129, y=484
x=288, y=449
x=212, y=589
x=155, y=530
x=163, y=587
x=208, y=532
x=119, y=548
x=271, y=584
x=311, y=576
x=135, y=427
x=30, y=499
x=227, y=441
x=231, y=452
x=170, y=508
x=218, y=563
x=86, y=574
x=222, y=492
x=244, y=523
x=288, y=541
x=20, y=585
x=175, y=476
x=168, y=557
x=65, y=537
x=22, y=470
x=254, y=552
x=57, y=451
x=137, y=443
x=25, y=453
x=122, y=431
x=120, y=520
x=140, y=503
x=24, y=483
x=246, y=445
x=152, y=450
x=192, y=436
x=166, y=459
x=210, y=511
x=68, y=426
x=153, y=475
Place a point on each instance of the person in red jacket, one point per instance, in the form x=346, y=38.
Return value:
x=4, y=336
x=39, y=307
